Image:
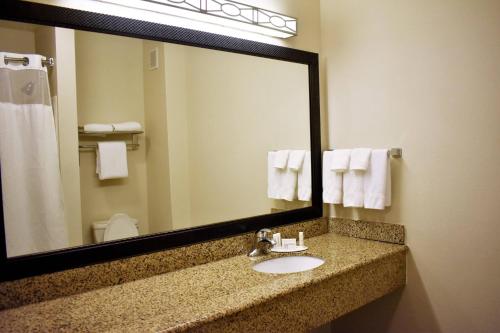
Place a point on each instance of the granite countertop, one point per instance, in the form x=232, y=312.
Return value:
x=189, y=298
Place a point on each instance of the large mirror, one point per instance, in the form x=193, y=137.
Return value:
x=120, y=137
x=165, y=136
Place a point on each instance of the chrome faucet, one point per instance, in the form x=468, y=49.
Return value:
x=262, y=244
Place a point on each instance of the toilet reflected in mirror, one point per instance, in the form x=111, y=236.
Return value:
x=119, y=226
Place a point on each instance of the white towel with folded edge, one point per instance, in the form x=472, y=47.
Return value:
x=281, y=159
x=296, y=159
x=377, y=182
x=353, y=183
x=111, y=161
x=304, y=188
x=98, y=128
x=360, y=159
x=273, y=177
x=340, y=160
x=129, y=126
x=288, y=189
x=332, y=181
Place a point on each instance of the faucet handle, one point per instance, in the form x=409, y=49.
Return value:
x=262, y=233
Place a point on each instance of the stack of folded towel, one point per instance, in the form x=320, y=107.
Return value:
x=129, y=126
x=289, y=175
x=357, y=178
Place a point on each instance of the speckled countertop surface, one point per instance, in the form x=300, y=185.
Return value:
x=188, y=298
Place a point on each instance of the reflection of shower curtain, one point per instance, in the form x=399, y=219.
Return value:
x=29, y=161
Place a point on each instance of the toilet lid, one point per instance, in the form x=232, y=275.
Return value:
x=120, y=226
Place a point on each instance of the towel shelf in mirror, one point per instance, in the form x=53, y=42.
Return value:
x=133, y=145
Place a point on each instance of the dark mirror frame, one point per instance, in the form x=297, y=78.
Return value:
x=30, y=265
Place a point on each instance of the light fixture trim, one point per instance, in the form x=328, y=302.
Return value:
x=254, y=19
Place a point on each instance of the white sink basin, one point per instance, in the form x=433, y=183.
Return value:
x=291, y=264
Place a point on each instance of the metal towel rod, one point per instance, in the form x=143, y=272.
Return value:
x=394, y=152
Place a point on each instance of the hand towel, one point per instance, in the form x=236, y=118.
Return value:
x=340, y=160
x=377, y=182
x=296, y=159
x=360, y=159
x=332, y=181
x=353, y=195
x=98, y=128
x=288, y=189
x=281, y=159
x=128, y=126
x=273, y=177
x=304, y=189
x=111, y=160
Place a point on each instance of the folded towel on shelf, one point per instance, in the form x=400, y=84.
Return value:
x=98, y=128
x=281, y=159
x=377, y=181
x=296, y=159
x=304, y=189
x=332, y=181
x=128, y=126
x=360, y=159
x=111, y=160
x=340, y=160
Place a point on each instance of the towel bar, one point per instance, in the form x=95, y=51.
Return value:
x=393, y=152
x=396, y=152
x=93, y=147
x=134, y=145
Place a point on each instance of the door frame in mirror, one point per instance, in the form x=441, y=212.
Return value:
x=40, y=263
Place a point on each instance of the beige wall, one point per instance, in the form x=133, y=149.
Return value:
x=157, y=145
x=221, y=120
x=240, y=108
x=107, y=94
x=425, y=76
x=178, y=95
x=14, y=37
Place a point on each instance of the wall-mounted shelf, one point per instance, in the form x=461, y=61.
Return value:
x=133, y=145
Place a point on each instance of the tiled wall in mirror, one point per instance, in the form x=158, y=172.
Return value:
x=147, y=137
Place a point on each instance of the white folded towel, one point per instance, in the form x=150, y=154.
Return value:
x=353, y=195
x=111, y=160
x=281, y=183
x=340, y=160
x=288, y=189
x=332, y=181
x=98, y=128
x=360, y=159
x=273, y=177
x=295, y=159
x=127, y=126
x=304, y=190
x=281, y=159
x=377, y=182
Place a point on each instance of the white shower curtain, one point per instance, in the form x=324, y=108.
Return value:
x=29, y=160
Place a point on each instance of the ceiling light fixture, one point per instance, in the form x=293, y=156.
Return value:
x=225, y=13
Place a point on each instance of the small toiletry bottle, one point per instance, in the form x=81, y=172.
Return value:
x=301, y=238
x=277, y=239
